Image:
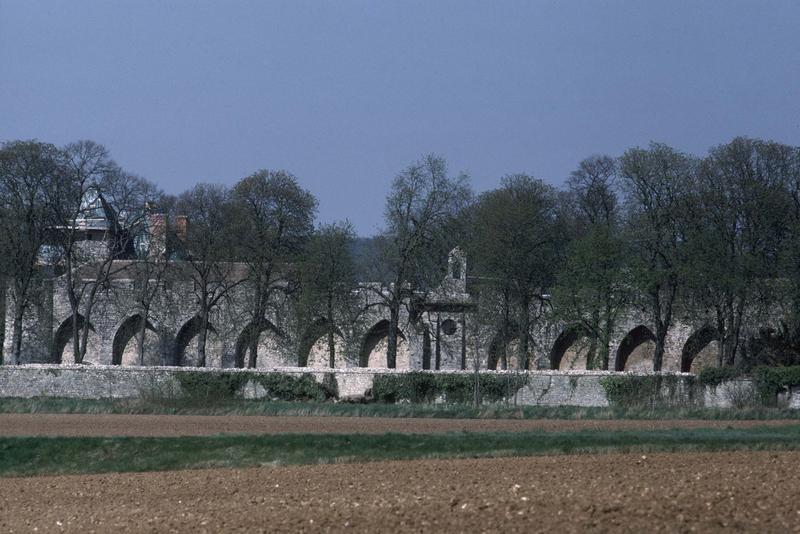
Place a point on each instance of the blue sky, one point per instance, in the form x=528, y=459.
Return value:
x=345, y=94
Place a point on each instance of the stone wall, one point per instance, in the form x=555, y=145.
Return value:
x=546, y=388
x=444, y=333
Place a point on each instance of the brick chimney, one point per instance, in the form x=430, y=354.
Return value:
x=181, y=227
x=157, y=234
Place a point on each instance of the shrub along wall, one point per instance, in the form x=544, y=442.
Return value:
x=451, y=388
x=203, y=387
x=651, y=391
x=766, y=385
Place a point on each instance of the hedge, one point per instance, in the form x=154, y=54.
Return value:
x=649, y=391
x=770, y=381
x=416, y=387
x=214, y=387
x=714, y=376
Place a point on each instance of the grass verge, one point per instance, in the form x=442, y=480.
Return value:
x=26, y=456
x=447, y=411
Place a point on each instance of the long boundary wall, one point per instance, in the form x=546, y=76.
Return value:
x=543, y=388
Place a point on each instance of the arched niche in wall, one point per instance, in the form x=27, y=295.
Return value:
x=375, y=346
x=636, y=351
x=126, y=346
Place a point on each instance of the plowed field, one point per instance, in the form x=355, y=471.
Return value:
x=735, y=491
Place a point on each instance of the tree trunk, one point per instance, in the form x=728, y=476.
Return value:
x=258, y=325
x=331, y=335
x=658, y=356
x=16, y=340
x=253, y=345
x=73, y=306
x=87, y=320
x=524, y=334
x=605, y=338
x=504, y=340
x=202, y=336
x=142, y=334
x=729, y=317
x=85, y=335
x=391, y=350
x=591, y=356
x=76, y=340
x=663, y=320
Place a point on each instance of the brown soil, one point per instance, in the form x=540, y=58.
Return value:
x=705, y=492
x=191, y=425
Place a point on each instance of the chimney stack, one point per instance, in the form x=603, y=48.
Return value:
x=181, y=227
x=156, y=228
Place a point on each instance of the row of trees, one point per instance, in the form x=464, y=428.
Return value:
x=712, y=239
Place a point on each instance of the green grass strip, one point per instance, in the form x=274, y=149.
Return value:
x=21, y=456
x=449, y=411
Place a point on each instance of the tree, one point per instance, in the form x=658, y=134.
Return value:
x=517, y=245
x=328, y=280
x=736, y=236
x=151, y=266
x=420, y=214
x=88, y=238
x=206, y=250
x=592, y=289
x=274, y=217
x=593, y=192
x=656, y=181
x=29, y=175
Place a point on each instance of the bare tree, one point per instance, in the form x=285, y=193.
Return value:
x=88, y=237
x=421, y=210
x=29, y=175
x=207, y=251
x=151, y=269
x=274, y=217
x=593, y=289
x=328, y=282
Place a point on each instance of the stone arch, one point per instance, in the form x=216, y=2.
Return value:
x=568, y=342
x=125, y=342
x=314, y=346
x=696, y=348
x=375, y=345
x=500, y=346
x=188, y=332
x=63, y=337
x=637, y=343
x=243, y=341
